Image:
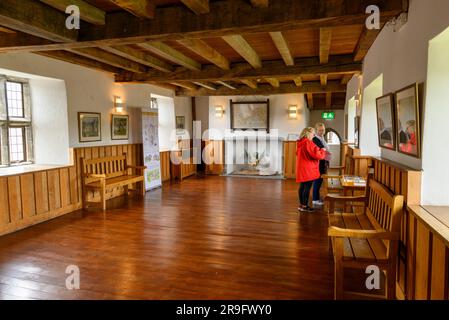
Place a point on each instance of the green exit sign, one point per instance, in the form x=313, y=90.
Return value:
x=328, y=115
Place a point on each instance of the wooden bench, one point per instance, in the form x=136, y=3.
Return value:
x=369, y=238
x=107, y=174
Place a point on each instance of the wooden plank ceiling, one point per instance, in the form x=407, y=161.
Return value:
x=206, y=47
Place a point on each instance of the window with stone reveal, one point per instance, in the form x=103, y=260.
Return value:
x=16, y=139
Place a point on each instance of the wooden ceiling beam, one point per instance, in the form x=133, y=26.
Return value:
x=244, y=49
x=365, y=42
x=260, y=3
x=325, y=44
x=227, y=85
x=6, y=30
x=250, y=83
x=271, y=69
x=20, y=38
x=185, y=85
x=323, y=79
x=202, y=49
x=79, y=60
x=298, y=81
x=171, y=54
x=88, y=12
x=139, y=57
x=139, y=8
x=164, y=85
x=225, y=18
x=266, y=89
x=36, y=18
x=205, y=85
x=346, y=78
x=281, y=44
x=109, y=58
x=273, y=82
x=197, y=6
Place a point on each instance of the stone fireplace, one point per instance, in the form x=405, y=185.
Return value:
x=254, y=156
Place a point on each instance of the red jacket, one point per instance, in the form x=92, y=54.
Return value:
x=308, y=157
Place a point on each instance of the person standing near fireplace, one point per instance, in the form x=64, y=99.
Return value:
x=307, y=166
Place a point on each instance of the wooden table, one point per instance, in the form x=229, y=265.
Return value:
x=352, y=186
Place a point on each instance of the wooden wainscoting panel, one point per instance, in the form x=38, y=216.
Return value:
x=165, y=165
x=54, y=192
x=41, y=192
x=108, y=151
x=439, y=270
x=95, y=153
x=423, y=247
x=64, y=182
x=290, y=159
x=15, y=198
x=27, y=195
x=30, y=198
x=411, y=257
x=4, y=207
x=73, y=184
x=214, y=157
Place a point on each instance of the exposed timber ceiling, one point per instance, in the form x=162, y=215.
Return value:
x=207, y=47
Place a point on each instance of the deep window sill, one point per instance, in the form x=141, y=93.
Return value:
x=28, y=168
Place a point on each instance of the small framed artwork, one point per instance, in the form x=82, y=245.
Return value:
x=293, y=137
x=180, y=123
x=89, y=126
x=120, y=127
x=408, y=131
x=385, y=122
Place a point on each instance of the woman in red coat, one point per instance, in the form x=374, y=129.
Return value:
x=308, y=157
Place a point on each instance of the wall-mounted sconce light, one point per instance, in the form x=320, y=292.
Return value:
x=219, y=111
x=293, y=112
x=118, y=104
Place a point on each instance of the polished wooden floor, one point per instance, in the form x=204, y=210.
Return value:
x=204, y=238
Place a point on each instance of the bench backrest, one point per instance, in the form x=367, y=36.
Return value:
x=383, y=208
x=109, y=166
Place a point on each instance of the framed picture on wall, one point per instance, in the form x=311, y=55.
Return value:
x=89, y=126
x=120, y=127
x=408, y=131
x=180, y=124
x=385, y=122
x=250, y=115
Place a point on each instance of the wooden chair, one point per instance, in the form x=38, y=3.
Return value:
x=107, y=174
x=369, y=238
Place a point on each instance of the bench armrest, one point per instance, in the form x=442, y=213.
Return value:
x=99, y=176
x=362, y=234
x=139, y=170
